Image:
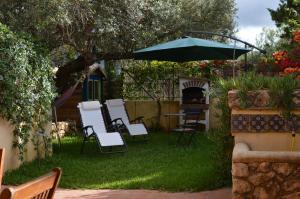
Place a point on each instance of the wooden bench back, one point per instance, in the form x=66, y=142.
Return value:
x=40, y=188
x=2, y=151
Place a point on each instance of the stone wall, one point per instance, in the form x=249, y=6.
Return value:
x=262, y=164
x=261, y=174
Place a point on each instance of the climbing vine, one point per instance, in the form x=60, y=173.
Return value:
x=26, y=85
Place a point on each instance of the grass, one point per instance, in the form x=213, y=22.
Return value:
x=157, y=164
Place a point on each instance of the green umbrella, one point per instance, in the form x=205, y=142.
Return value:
x=190, y=49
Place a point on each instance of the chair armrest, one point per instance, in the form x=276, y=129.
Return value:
x=42, y=186
x=85, y=129
x=116, y=124
x=138, y=119
x=115, y=121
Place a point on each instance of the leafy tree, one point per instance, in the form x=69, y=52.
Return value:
x=269, y=40
x=287, y=16
x=111, y=29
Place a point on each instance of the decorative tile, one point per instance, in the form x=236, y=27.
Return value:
x=277, y=123
x=259, y=123
x=263, y=123
x=239, y=123
x=295, y=121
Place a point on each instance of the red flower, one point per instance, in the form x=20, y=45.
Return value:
x=202, y=65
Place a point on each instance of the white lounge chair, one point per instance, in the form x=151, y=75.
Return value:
x=94, y=125
x=119, y=116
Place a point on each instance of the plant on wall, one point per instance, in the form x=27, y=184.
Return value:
x=26, y=90
x=281, y=97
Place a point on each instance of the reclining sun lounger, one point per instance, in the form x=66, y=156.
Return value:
x=118, y=115
x=94, y=125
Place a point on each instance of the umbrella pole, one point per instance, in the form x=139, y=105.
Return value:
x=246, y=67
x=233, y=68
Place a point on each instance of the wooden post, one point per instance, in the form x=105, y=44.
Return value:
x=2, y=152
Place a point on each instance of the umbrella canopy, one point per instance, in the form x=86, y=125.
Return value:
x=190, y=49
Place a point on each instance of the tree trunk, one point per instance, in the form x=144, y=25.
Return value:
x=64, y=78
x=157, y=124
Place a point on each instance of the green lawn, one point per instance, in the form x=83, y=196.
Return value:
x=156, y=164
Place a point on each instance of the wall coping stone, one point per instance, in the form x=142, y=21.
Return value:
x=243, y=154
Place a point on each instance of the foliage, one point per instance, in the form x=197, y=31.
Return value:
x=148, y=76
x=156, y=78
x=110, y=29
x=27, y=87
x=269, y=40
x=281, y=96
x=281, y=93
x=222, y=135
x=114, y=79
x=287, y=16
x=114, y=26
x=159, y=80
x=157, y=164
x=289, y=59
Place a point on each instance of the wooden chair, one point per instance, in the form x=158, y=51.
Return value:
x=40, y=188
x=2, y=151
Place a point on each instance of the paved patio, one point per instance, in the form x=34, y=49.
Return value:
x=224, y=193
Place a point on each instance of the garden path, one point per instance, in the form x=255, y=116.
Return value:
x=224, y=193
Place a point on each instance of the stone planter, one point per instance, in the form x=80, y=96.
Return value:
x=263, y=165
x=260, y=126
x=265, y=174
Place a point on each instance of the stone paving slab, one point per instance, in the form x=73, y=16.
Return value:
x=224, y=193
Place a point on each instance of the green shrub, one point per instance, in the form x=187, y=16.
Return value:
x=27, y=86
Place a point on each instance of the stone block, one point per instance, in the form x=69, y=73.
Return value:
x=240, y=186
x=260, y=193
x=233, y=99
x=272, y=188
x=296, y=98
x=240, y=170
x=262, y=99
x=253, y=165
x=279, y=178
x=237, y=196
x=291, y=185
x=292, y=196
x=284, y=169
x=296, y=172
x=263, y=167
x=259, y=178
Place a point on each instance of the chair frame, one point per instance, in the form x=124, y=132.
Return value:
x=2, y=155
x=87, y=137
x=188, y=128
x=40, y=188
x=122, y=127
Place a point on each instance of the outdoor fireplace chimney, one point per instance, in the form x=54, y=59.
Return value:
x=193, y=97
